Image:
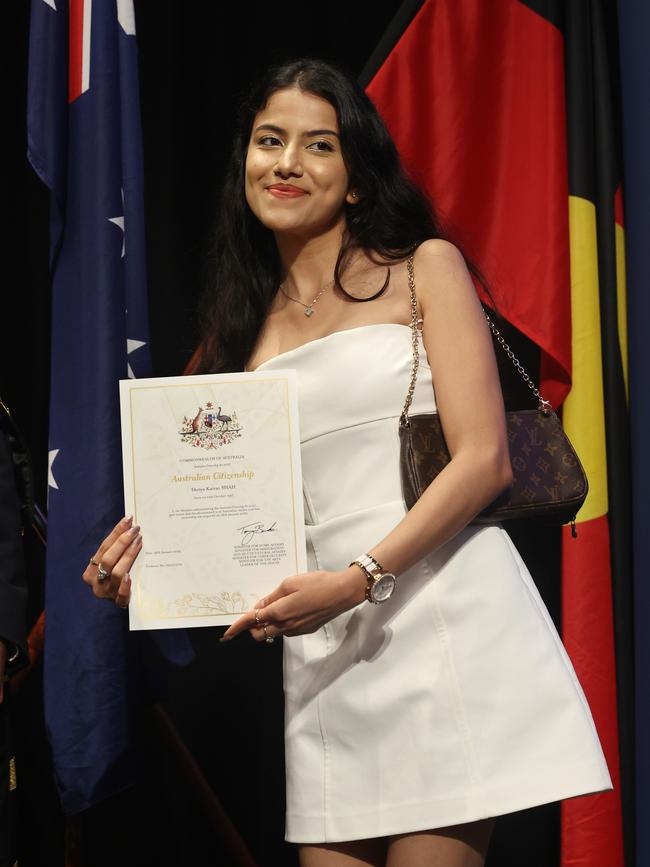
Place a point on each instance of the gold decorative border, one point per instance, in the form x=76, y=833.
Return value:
x=197, y=605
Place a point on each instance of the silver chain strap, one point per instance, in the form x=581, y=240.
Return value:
x=543, y=405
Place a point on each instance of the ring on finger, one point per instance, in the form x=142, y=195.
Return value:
x=120, y=601
x=93, y=562
x=257, y=616
x=268, y=637
x=102, y=574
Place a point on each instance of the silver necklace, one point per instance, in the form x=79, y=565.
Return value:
x=309, y=308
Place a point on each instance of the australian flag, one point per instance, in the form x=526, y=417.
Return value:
x=84, y=141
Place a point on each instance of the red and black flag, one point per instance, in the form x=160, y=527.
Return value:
x=504, y=113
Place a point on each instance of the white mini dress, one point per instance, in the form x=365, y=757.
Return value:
x=453, y=701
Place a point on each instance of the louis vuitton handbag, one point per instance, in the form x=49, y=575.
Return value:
x=549, y=482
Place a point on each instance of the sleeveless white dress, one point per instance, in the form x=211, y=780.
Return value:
x=453, y=701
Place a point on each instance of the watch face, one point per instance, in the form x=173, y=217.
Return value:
x=383, y=587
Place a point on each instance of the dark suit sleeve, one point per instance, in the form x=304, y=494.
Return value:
x=13, y=586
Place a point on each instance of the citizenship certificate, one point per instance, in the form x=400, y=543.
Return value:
x=212, y=475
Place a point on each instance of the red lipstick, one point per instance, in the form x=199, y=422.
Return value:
x=286, y=191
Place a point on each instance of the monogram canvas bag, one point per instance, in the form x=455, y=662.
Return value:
x=549, y=482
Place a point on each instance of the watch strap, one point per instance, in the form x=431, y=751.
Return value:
x=373, y=570
x=369, y=564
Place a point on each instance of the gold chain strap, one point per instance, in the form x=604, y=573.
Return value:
x=543, y=405
x=414, y=339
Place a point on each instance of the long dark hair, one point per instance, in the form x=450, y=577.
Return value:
x=392, y=217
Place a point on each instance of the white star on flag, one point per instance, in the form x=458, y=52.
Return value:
x=131, y=346
x=51, y=3
x=51, y=481
x=126, y=16
x=51, y=457
x=119, y=222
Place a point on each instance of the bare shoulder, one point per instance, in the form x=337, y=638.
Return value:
x=442, y=276
x=438, y=248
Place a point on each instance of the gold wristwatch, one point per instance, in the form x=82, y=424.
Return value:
x=381, y=584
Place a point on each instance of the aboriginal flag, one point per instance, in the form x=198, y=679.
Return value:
x=505, y=112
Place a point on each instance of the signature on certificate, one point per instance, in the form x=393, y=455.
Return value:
x=249, y=531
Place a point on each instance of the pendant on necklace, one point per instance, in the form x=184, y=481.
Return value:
x=309, y=310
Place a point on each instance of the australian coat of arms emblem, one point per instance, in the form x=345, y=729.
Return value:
x=210, y=428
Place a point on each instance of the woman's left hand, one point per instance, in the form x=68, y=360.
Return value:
x=302, y=604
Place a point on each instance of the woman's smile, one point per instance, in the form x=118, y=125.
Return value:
x=286, y=191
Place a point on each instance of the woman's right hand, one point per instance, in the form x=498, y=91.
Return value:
x=116, y=556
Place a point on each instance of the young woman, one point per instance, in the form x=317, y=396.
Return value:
x=416, y=709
